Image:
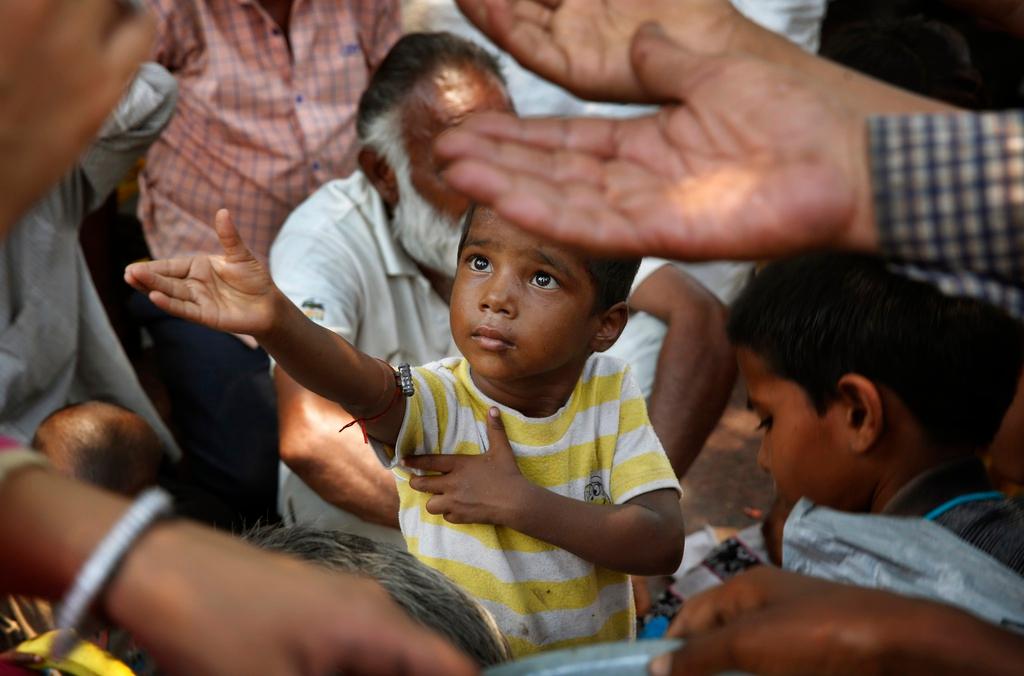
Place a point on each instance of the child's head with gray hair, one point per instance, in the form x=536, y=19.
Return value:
x=428, y=596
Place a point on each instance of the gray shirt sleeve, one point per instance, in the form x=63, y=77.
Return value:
x=140, y=116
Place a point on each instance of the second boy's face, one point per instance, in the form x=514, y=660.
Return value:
x=521, y=308
x=803, y=450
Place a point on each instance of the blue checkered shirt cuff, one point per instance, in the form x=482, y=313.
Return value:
x=949, y=201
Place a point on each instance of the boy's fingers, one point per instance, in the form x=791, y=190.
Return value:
x=429, y=484
x=172, y=267
x=497, y=439
x=437, y=504
x=234, y=248
x=169, y=286
x=175, y=306
x=432, y=463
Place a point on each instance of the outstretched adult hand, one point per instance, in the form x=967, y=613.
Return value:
x=473, y=488
x=232, y=292
x=583, y=45
x=768, y=621
x=752, y=163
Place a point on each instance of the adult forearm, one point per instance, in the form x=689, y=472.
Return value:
x=695, y=376
x=630, y=538
x=43, y=536
x=919, y=643
x=341, y=468
x=350, y=481
x=859, y=92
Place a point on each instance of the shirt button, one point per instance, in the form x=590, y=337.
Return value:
x=316, y=166
x=298, y=98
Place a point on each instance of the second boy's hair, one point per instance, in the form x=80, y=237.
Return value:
x=954, y=362
x=612, y=277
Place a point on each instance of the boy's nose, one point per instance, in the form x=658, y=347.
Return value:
x=499, y=299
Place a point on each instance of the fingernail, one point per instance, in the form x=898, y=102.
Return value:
x=494, y=412
x=660, y=665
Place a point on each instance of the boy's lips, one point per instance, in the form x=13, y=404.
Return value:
x=490, y=338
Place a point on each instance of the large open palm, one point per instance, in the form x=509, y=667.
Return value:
x=754, y=163
x=583, y=45
x=232, y=292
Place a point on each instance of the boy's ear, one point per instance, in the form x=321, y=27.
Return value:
x=381, y=175
x=613, y=321
x=863, y=411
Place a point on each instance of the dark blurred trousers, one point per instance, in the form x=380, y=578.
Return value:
x=224, y=413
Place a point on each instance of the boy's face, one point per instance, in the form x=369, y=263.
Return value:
x=805, y=452
x=521, y=308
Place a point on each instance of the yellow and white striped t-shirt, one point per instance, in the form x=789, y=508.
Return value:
x=598, y=447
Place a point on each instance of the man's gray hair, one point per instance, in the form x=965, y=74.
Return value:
x=414, y=57
x=384, y=135
x=427, y=595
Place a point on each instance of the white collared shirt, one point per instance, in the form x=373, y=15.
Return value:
x=336, y=258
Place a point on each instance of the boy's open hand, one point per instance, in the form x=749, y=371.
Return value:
x=231, y=293
x=473, y=488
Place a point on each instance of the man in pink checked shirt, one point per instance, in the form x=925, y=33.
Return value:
x=266, y=114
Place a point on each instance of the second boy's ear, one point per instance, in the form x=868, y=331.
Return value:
x=381, y=175
x=612, y=322
x=864, y=414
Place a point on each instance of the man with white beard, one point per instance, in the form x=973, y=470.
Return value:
x=372, y=257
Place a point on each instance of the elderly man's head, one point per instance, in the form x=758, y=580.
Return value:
x=426, y=595
x=427, y=83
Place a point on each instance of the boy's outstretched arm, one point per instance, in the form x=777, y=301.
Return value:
x=234, y=293
x=642, y=537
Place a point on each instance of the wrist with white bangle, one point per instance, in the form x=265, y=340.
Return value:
x=94, y=576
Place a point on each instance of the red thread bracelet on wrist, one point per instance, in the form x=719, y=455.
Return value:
x=362, y=421
x=401, y=387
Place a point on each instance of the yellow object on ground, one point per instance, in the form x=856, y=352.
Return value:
x=85, y=660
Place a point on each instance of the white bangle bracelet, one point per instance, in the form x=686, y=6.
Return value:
x=151, y=505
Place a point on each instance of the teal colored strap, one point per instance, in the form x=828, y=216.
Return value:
x=957, y=501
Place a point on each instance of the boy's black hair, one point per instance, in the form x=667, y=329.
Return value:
x=954, y=362
x=412, y=58
x=612, y=277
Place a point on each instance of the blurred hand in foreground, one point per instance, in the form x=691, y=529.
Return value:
x=752, y=162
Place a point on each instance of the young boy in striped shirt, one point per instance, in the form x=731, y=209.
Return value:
x=528, y=470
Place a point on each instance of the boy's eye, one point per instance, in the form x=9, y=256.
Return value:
x=479, y=263
x=544, y=280
x=765, y=424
